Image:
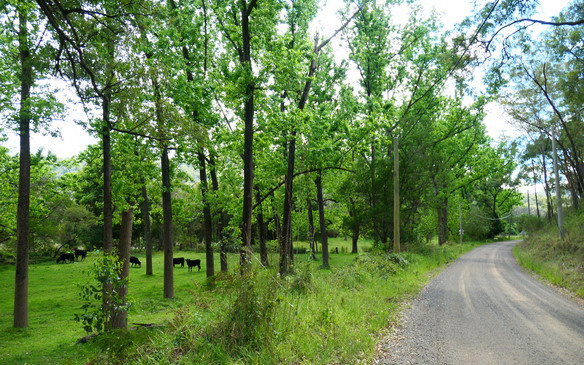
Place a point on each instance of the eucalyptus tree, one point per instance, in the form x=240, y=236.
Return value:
x=25, y=60
x=455, y=141
x=544, y=72
x=402, y=72
x=89, y=38
x=195, y=95
x=496, y=195
x=245, y=26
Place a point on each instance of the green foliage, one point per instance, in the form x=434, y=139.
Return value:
x=97, y=313
x=556, y=260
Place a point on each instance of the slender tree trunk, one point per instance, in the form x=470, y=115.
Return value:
x=550, y=210
x=572, y=181
x=222, y=221
x=145, y=210
x=277, y=225
x=245, y=58
x=167, y=225
x=286, y=254
x=355, y=237
x=23, y=209
x=535, y=189
x=120, y=317
x=323, y=232
x=207, y=224
x=107, y=180
x=311, y=228
x=262, y=230
x=355, y=227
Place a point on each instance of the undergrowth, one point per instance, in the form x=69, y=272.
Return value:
x=559, y=261
x=313, y=316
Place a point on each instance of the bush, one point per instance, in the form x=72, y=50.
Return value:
x=7, y=258
x=529, y=223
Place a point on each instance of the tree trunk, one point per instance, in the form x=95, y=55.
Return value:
x=286, y=254
x=550, y=210
x=356, y=231
x=145, y=210
x=311, y=228
x=262, y=231
x=222, y=221
x=535, y=189
x=207, y=224
x=167, y=225
x=107, y=180
x=245, y=252
x=443, y=221
x=355, y=227
x=23, y=209
x=120, y=317
x=323, y=233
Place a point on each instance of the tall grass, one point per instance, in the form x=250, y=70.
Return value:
x=559, y=261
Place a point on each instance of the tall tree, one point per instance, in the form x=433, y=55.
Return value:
x=25, y=56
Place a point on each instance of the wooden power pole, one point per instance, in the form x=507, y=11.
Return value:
x=396, y=242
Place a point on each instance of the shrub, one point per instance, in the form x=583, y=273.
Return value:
x=96, y=315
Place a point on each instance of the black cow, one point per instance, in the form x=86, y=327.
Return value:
x=64, y=257
x=134, y=261
x=178, y=260
x=80, y=253
x=193, y=263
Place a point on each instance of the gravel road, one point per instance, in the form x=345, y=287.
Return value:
x=484, y=309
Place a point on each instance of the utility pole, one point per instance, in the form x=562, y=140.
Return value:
x=528, y=204
x=558, y=192
x=396, y=242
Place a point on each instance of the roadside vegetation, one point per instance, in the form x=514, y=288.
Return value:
x=560, y=262
x=313, y=316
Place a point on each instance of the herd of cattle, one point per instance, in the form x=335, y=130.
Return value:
x=134, y=261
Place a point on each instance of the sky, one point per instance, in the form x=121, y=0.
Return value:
x=75, y=139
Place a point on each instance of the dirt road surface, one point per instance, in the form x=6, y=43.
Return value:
x=484, y=309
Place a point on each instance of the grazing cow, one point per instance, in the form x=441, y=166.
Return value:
x=178, y=260
x=193, y=263
x=134, y=261
x=80, y=253
x=64, y=257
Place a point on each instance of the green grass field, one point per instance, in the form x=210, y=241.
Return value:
x=347, y=305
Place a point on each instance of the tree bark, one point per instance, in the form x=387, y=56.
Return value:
x=262, y=230
x=245, y=58
x=311, y=228
x=207, y=224
x=107, y=178
x=535, y=189
x=145, y=210
x=323, y=233
x=120, y=317
x=286, y=254
x=443, y=221
x=167, y=225
x=23, y=209
x=550, y=209
x=222, y=221
x=355, y=238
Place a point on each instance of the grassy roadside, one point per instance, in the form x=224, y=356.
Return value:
x=560, y=262
x=314, y=316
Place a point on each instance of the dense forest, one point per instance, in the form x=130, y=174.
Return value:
x=235, y=127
